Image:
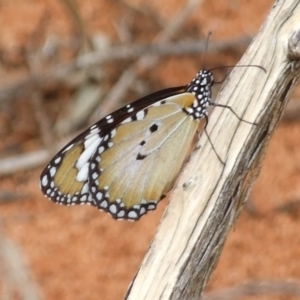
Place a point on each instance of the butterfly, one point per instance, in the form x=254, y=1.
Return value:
x=128, y=161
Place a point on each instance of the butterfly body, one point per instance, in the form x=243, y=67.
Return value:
x=129, y=160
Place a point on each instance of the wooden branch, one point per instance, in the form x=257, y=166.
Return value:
x=292, y=111
x=208, y=196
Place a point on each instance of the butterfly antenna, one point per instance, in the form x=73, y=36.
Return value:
x=206, y=47
x=239, y=66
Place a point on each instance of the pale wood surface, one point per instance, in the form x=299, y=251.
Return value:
x=208, y=195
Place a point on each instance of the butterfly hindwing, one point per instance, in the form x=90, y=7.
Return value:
x=65, y=179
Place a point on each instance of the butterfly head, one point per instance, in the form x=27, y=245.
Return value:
x=200, y=87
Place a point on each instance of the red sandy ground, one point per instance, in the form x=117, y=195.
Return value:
x=80, y=253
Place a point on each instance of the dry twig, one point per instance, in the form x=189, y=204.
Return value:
x=256, y=288
x=15, y=276
x=23, y=87
x=27, y=161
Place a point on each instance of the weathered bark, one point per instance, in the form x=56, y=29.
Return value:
x=208, y=195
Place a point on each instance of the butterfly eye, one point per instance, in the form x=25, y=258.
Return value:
x=128, y=161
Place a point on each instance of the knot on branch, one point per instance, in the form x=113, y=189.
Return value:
x=294, y=46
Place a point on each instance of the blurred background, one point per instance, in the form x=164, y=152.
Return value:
x=66, y=63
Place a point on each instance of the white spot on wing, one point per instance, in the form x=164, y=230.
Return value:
x=90, y=139
x=113, y=132
x=151, y=206
x=88, y=152
x=113, y=208
x=140, y=115
x=132, y=214
x=57, y=160
x=99, y=196
x=68, y=148
x=85, y=189
x=104, y=204
x=52, y=171
x=121, y=214
x=45, y=180
x=83, y=198
x=101, y=149
x=94, y=130
x=127, y=120
x=82, y=175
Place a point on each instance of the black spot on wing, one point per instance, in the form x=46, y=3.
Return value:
x=141, y=156
x=153, y=128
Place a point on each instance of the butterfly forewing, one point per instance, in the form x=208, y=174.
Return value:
x=144, y=159
x=128, y=161
x=65, y=179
